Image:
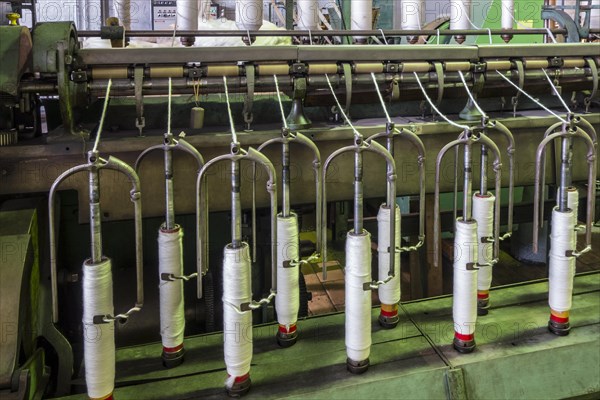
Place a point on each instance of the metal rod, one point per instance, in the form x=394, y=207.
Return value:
x=565, y=173
x=285, y=176
x=358, y=193
x=236, y=206
x=483, y=169
x=95, y=214
x=169, y=202
x=468, y=182
x=320, y=33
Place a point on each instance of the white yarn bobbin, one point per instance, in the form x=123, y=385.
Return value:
x=98, y=339
x=287, y=301
x=483, y=213
x=358, y=300
x=561, y=268
x=172, y=312
x=508, y=11
x=389, y=293
x=464, y=304
x=237, y=326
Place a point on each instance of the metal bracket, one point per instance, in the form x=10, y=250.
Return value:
x=138, y=79
x=515, y=99
x=472, y=266
x=79, y=76
x=171, y=277
x=249, y=100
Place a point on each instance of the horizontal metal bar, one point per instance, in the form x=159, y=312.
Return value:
x=387, y=53
x=387, y=33
x=540, y=50
x=185, y=55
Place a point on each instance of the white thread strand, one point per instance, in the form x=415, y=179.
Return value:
x=249, y=14
x=531, y=98
x=103, y=115
x=389, y=293
x=464, y=303
x=462, y=78
x=285, y=124
x=562, y=268
x=237, y=327
x=356, y=133
x=231, y=123
x=573, y=204
x=483, y=213
x=556, y=91
x=172, y=313
x=187, y=15
x=98, y=339
x=463, y=127
x=387, y=115
x=287, y=300
x=358, y=300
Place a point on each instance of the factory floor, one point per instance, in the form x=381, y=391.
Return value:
x=328, y=295
x=516, y=356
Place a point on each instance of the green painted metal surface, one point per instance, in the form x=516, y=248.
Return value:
x=516, y=356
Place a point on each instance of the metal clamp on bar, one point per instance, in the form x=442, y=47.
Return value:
x=93, y=166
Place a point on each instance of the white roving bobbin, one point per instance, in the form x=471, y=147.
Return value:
x=562, y=268
x=287, y=301
x=460, y=11
x=358, y=300
x=389, y=293
x=410, y=12
x=98, y=339
x=573, y=204
x=249, y=14
x=187, y=15
x=172, y=313
x=237, y=326
x=464, y=303
x=483, y=213
x=308, y=14
x=361, y=15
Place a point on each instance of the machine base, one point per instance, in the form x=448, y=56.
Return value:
x=463, y=346
x=287, y=339
x=357, y=367
x=239, y=389
x=172, y=360
x=483, y=306
x=388, y=322
x=559, y=329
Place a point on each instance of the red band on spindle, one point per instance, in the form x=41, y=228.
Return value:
x=283, y=329
x=560, y=320
x=464, y=338
x=392, y=313
x=483, y=296
x=243, y=378
x=172, y=349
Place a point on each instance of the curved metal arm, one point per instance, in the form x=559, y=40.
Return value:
x=587, y=128
x=462, y=140
x=52, y=234
x=317, y=168
x=510, y=152
x=136, y=197
x=418, y=143
x=255, y=157
x=498, y=184
x=374, y=147
x=591, y=159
